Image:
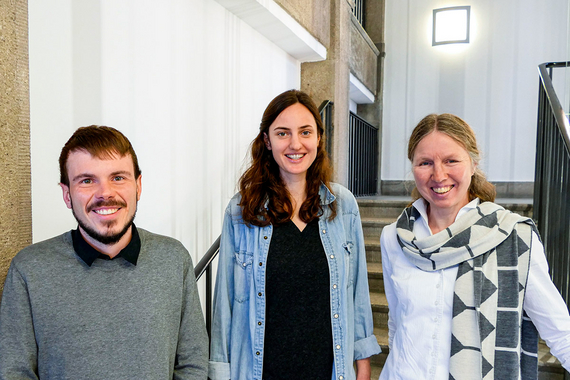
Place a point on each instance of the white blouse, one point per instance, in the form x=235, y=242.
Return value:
x=421, y=305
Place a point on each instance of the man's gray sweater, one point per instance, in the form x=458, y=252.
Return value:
x=61, y=319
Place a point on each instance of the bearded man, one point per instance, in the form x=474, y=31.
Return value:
x=107, y=300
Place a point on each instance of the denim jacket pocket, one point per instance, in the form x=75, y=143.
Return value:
x=243, y=273
x=349, y=262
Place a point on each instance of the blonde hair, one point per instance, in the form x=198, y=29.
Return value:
x=461, y=132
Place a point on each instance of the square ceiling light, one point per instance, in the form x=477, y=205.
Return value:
x=451, y=25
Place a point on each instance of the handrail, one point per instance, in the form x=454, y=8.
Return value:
x=325, y=109
x=552, y=179
x=204, y=265
x=558, y=111
x=207, y=259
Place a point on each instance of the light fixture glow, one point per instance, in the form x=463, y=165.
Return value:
x=451, y=25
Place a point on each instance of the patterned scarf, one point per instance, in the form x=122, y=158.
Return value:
x=491, y=337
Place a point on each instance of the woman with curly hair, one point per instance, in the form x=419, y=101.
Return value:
x=291, y=297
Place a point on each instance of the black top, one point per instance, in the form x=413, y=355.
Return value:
x=89, y=254
x=298, y=334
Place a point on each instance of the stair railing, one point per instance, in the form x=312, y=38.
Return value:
x=326, y=111
x=358, y=11
x=363, y=157
x=205, y=265
x=552, y=179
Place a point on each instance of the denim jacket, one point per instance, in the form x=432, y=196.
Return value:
x=238, y=324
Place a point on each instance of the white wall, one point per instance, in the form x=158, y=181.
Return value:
x=186, y=81
x=492, y=82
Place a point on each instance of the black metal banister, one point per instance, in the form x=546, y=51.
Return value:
x=557, y=110
x=207, y=259
x=205, y=265
x=326, y=111
x=363, y=156
x=552, y=179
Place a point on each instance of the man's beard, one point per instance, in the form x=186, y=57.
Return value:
x=104, y=239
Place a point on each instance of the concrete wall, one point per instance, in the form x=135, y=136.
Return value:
x=314, y=15
x=363, y=56
x=15, y=205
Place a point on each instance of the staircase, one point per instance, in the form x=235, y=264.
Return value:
x=378, y=212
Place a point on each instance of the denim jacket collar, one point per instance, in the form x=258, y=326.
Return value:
x=327, y=197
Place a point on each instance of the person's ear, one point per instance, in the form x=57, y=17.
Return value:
x=266, y=141
x=139, y=187
x=66, y=195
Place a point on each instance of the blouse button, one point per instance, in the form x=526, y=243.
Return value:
x=336, y=315
x=340, y=377
x=332, y=256
x=259, y=294
x=260, y=264
x=334, y=286
x=258, y=353
x=338, y=346
x=265, y=237
x=259, y=323
x=244, y=265
x=324, y=231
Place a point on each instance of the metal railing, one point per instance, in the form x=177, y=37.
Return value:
x=363, y=157
x=552, y=179
x=205, y=265
x=358, y=11
x=326, y=111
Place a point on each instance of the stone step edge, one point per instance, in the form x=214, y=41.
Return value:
x=371, y=222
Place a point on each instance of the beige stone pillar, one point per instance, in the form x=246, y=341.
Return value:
x=15, y=184
x=329, y=80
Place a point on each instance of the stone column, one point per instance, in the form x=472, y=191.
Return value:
x=329, y=80
x=15, y=186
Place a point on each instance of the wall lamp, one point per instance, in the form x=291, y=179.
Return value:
x=451, y=25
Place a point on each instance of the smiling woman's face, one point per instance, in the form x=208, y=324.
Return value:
x=293, y=140
x=442, y=170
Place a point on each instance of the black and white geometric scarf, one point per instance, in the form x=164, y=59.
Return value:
x=491, y=338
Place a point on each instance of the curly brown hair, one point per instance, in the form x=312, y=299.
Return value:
x=461, y=132
x=264, y=197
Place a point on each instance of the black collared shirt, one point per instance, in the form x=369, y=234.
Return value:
x=89, y=254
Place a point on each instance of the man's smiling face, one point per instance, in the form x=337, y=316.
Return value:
x=103, y=195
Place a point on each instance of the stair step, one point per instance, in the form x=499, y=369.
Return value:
x=381, y=208
x=372, y=227
x=375, y=277
x=372, y=248
x=379, y=309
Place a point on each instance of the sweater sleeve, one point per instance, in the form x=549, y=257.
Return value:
x=18, y=349
x=192, y=351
